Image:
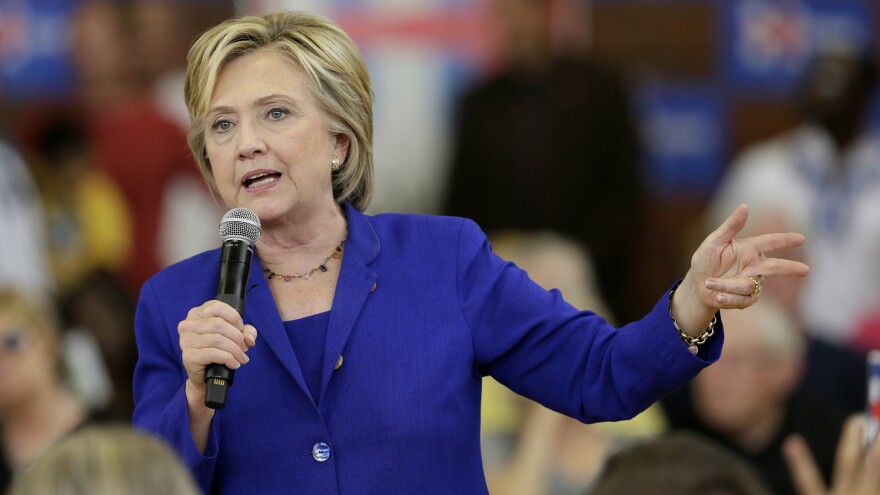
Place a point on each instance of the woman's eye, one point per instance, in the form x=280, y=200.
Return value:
x=278, y=113
x=222, y=125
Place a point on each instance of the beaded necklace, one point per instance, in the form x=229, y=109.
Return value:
x=335, y=255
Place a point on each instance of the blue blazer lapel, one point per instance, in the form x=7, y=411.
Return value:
x=261, y=312
x=356, y=282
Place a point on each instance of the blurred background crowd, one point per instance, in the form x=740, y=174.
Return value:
x=595, y=141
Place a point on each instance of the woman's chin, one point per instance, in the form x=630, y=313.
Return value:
x=269, y=211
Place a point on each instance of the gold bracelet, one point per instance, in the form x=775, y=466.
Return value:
x=692, y=342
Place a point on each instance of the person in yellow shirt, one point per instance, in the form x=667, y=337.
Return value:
x=527, y=448
x=89, y=223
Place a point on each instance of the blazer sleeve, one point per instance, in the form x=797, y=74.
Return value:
x=571, y=361
x=160, y=400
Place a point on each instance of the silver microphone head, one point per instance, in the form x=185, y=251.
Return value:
x=240, y=224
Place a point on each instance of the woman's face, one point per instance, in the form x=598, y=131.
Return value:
x=23, y=357
x=266, y=139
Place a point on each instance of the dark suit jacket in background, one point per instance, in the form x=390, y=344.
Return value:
x=555, y=150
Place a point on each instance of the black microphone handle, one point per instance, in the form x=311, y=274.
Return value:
x=234, y=270
x=218, y=377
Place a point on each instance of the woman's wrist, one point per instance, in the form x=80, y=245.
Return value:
x=688, y=309
x=195, y=399
x=200, y=416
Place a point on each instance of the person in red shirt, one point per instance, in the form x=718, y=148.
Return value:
x=135, y=144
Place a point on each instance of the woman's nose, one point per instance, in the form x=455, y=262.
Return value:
x=250, y=142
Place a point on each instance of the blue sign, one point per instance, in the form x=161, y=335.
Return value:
x=683, y=130
x=768, y=44
x=33, y=48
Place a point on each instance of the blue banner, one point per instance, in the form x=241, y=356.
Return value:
x=33, y=48
x=768, y=44
x=684, y=131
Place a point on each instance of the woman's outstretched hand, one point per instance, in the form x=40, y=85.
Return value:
x=727, y=272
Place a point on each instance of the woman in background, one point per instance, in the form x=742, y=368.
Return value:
x=36, y=408
x=106, y=460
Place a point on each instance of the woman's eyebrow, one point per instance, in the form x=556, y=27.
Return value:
x=259, y=101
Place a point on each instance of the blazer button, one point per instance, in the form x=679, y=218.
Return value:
x=338, y=363
x=373, y=288
x=321, y=451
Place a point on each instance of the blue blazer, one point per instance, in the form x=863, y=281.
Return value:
x=423, y=310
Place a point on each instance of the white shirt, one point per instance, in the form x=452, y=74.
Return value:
x=23, y=257
x=834, y=200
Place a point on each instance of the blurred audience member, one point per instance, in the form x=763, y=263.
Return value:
x=135, y=144
x=822, y=178
x=89, y=224
x=836, y=374
x=23, y=260
x=549, y=143
x=856, y=467
x=36, y=408
x=554, y=261
x=100, y=310
x=100, y=54
x=161, y=33
x=749, y=400
x=527, y=448
x=681, y=463
x=833, y=372
x=108, y=460
x=161, y=37
x=685, y=463
x=867, y=335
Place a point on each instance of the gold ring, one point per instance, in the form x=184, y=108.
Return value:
x=758, y=287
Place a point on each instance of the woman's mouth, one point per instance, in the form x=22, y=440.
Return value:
x=261, y=179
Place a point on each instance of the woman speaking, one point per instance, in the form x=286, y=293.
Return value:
x=360, y=352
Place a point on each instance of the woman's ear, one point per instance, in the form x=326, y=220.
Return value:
x=340, y=146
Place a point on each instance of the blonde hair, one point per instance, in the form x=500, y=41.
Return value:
x=531, y=250
x=336, y=76
x=16, y=306
x=106, y=460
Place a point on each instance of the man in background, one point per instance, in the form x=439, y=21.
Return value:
x=548, y=143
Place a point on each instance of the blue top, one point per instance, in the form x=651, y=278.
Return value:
x=307, y=337
x=422, y=311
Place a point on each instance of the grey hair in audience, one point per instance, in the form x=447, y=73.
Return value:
x=106, y=460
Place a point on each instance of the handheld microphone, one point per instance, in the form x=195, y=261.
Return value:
x=240, y=229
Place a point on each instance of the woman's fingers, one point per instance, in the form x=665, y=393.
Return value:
x=802, y=466
x=734, y=293
x=779, y=266
x=728, y=230
x=196, y=348
x=771, y=242
x=201, y=358
x=216, y=325
x=724, y=300
x=746, y=285
x=743, y=286
x=219, y=317
x=250, y=335
x=219, y=309
x=214, y=333
x=217, y=341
